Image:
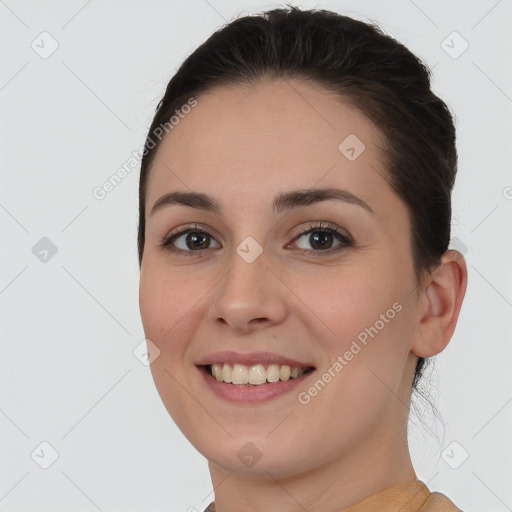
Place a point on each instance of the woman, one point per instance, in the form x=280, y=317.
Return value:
x=294, y=222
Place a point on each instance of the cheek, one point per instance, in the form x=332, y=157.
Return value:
x=367, y=322
x=166, y=301
x=348, y=300
x=163, y=309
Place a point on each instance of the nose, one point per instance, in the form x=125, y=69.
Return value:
x=249, y=297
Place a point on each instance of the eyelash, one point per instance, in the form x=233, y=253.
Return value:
x=327, y=227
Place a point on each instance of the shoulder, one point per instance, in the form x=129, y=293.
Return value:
x=437, y=502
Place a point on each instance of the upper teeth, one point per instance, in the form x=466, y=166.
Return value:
x=255, y=374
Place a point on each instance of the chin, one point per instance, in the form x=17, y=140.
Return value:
x=253, y=455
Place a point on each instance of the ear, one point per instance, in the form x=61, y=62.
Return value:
x=439, y=305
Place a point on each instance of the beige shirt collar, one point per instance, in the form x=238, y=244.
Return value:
x=409, y=497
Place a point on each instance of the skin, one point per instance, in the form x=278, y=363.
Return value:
x=243, y=146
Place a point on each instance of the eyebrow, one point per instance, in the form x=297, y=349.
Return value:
x=282, y=202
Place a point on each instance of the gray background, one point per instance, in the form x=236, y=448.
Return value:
x=70, y=320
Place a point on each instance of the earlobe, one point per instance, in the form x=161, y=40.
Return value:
x=443, y=295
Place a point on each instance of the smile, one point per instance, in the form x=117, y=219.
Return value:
x=248, y=393
x=254, y=375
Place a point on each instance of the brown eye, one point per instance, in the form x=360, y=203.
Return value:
x=197, y=240
x=189, y=241
x=320, y=239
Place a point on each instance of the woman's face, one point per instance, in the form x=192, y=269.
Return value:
x=251, y=278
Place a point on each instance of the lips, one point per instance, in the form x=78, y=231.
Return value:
x=282, y=375
x=251, y=394
x=252, y=358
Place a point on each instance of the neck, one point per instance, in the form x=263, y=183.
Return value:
x=374, y=465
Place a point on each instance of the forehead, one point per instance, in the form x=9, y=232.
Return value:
x=259, y=139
